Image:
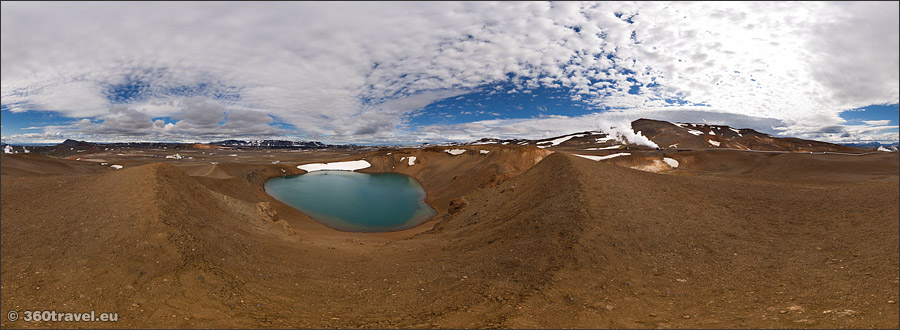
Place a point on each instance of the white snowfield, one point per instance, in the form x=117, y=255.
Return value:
x=604, y=139
x=556, y=142
x=603, y=157
x=736, y=131
x=671, y=162
x=484, y=152
x=692, y=131
x=352, y=165
x=695, y=132
x=455, y=152
x=118, y=167
x=412, y=160
x=606, y=148
x=880, y=148
x=714, y=142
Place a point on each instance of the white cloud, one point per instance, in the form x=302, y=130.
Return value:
x=358, y=71
x=877, y=122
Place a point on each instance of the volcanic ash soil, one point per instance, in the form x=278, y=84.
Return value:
x=522, y=238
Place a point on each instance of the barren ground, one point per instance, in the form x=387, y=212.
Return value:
x=523, y=238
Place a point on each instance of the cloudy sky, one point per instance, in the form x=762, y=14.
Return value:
x=408, y=72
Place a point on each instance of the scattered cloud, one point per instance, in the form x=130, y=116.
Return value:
x=877, y=122
x=360, y=72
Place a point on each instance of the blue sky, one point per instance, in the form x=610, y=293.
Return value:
x=889, y=112
x=501, y=101
x=412, y=72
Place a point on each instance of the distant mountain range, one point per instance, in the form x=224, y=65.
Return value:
x=277, y=144
x=69, y=146
x=668, y=135
x=263, y=144
x=643, y=133
x=873, y=145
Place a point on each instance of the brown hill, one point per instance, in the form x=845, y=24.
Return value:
x=452, y=176
x=581, y=139
x=817, y=168
x=670, y=251
x=682, y=136
x=146, y=242
x=693, y=136
x=531, y=240
x=38, y=165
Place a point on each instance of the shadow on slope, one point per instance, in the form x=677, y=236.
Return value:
x=146, y=242
x=19, y=165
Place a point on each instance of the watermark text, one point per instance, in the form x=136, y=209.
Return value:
x=60, y=316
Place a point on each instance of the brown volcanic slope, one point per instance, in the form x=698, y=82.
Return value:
x=671, y=135
x=682, y=136
x=37, y=165
x=567, y=242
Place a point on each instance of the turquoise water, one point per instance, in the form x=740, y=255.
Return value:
x=352, y=201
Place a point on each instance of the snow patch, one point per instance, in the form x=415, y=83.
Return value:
x=412, y=160
x=603, y=157
x=7, y=149
x=674, y=146
x=671, y=162
x=337, y=166
x=484, y=152
x=692, y=131
x=605, y=139
x=118, y=167
x=606, y=148
x=557, y=141
x=175, y=156
x=736, y=131
x=880, y=148
x=455, y=152
x=714, y=142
